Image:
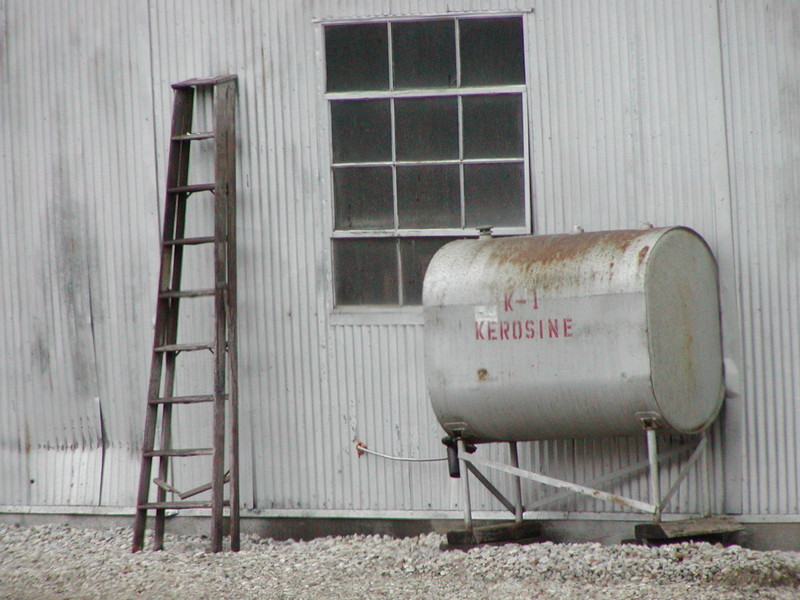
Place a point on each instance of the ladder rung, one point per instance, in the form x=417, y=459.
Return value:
x=186, y=293
x=183, y=347
x=191, y=189
x=185, y=399
x=165, y=486
x=181, y=452
x=181, y=504
x=190, y=241
x=188, y=137
x=200, y=82
x=202, y=488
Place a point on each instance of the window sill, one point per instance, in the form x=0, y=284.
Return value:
x=377, y=315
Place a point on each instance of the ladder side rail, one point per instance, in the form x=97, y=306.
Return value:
x=170, y=362
x=223, y=122
x=166, y=442
x=171, y=335
x=178, y=168
x=226, y=128
x=220, y=343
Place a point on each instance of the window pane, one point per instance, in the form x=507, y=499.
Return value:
x=426, y=128
x=357, y=57
x=424, y=54
x=493, y=126
x=494, y=195
x=366, y=271
x=363, y=198
x=416, y=253
x=492, y=51
x=428, y=197
x=361, y=131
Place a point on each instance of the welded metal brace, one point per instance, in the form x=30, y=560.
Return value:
x=653, y=507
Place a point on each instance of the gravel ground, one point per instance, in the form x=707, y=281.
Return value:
x=52, y=561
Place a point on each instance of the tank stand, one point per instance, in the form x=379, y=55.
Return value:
x=518, y=508
x=462, y=448
x=651, y=428
x=517, y=530
x=465, y=498
x=707, y=527
x=461, y=454
x=700, y=452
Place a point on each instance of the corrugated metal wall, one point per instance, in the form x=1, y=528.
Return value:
x=77, y=251
x=666, y=112
x=761, y=45
x=632, y=130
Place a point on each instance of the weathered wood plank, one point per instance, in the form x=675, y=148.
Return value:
x=494, y=534
x=688, y=528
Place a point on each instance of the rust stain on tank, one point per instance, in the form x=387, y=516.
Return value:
x=560, y=248
x=483, y=374
x=642, y=254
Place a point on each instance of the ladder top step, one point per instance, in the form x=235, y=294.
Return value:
x=185, y=399
x=201, y=82
x=180, y=504
x=191, y=189
x=188, y=137
x=181, y=452
x=183, y=347
x=186, y=293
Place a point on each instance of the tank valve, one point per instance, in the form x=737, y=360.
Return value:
x=452, y=457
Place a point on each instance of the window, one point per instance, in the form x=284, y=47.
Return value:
x=429, y=144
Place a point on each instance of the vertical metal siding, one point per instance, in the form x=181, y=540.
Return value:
x=761, y=44
x=628, y=108
x=76, y=106
x=13, y=438
x=631, y=131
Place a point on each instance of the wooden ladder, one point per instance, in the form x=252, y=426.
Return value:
x=160, y=395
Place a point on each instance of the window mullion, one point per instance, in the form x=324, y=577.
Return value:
x=460, y=128
x=461, y=161
x=426, y=92
x=393, y=125
x=526, y=160
x=390, y=54
x=401, y=293
x=458, y=52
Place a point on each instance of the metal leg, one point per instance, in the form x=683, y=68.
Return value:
x=518, y=510
x=655, y=485
x=465, y=499
x=705, y=481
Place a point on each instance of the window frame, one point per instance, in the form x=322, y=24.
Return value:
x=405, y=312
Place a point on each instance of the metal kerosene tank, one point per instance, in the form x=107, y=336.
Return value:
x=575, y=335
